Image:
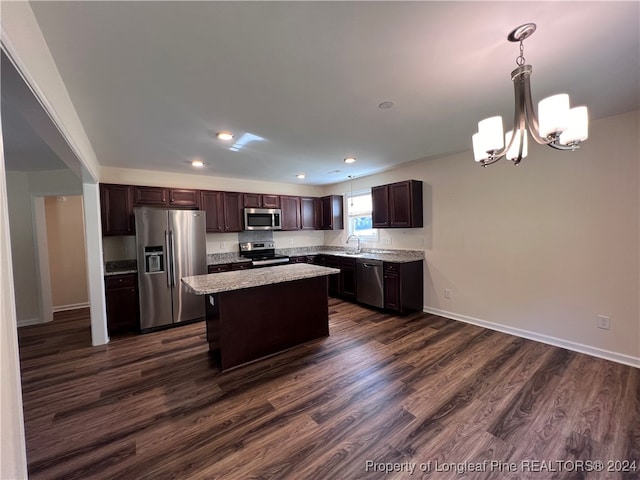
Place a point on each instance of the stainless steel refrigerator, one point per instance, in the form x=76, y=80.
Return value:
x=170, y=245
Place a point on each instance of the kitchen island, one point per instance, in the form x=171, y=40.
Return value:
x=259, y=312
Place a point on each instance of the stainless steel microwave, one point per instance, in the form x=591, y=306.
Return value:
x=262, y=219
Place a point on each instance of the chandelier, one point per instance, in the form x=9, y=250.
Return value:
x=556, y=125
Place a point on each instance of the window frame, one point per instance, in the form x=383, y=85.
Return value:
x=374, y=236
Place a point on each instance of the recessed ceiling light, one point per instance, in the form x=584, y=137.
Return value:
x=385, y=105
x=300, y=176
x=224, y=135
x=197, y=163
x=349, y=159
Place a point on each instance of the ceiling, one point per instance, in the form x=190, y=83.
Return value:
x=300, y=83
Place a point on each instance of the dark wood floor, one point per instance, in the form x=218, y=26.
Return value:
x=430, y=392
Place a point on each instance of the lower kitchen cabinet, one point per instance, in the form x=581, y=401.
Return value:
x=227, y=267
x=348, y=278
x=403, y=286
x=121, y=293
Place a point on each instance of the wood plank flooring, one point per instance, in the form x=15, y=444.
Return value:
x=428, y=396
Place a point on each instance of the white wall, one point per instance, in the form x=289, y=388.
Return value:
x=13, y=456
x=539, y=249
x=22, y=187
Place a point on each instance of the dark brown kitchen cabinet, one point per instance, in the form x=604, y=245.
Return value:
x=261, y=200
x=116, y=205
x=344, y=284
x=233, y=205
x=166, y=197
x=290, y=212
x=226, y=267
x=403, y=286
x=348, y=278
x=309, y=208
x=397, y=205
x=217, y=268
x=213, y=205
x=121, y=294
x=331, y=216
x=184, y=198
x=334, y=280
x=150, y=196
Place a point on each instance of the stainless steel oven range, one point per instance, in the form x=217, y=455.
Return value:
x=262, y=254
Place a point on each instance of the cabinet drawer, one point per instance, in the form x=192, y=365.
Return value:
x=391, y=267
x=121, y=281
x=241, y=265
x=219, y=268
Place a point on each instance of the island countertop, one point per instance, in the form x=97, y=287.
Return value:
x=254, y=277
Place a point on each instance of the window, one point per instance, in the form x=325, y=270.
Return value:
x=359, y=217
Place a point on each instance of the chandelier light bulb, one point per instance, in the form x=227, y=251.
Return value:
x=492, y=133
x=578, y=130
x=512, y=153
x=553, y=114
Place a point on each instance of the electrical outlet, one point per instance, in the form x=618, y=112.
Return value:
x=223, y=244
x=447, y=293
x=604, y=322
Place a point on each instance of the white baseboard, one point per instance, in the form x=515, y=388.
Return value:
x=73, y=306
x=538, y=337
x=29, y=321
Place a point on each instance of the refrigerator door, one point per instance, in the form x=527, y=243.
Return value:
x=188, y=249
x=154, y=272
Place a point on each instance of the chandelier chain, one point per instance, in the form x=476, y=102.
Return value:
x=520, y=59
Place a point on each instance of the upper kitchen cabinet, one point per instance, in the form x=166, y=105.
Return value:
x=397, y=205
x=331, y=217
x=150, y=196
x=223, y=211
x=116, y=203
x=166, y=197
x=309, y=213
x=184, y=198
x=290, y=212
x=233, y=205
x=261, y=200
x=213, y=205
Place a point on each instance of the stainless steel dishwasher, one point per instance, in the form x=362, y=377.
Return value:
x=369, y=282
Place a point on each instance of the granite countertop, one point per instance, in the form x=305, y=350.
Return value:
x=120, y=267
x=257, y=277
x=395, y=256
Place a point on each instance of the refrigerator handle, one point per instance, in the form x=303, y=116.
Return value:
x=173, y=259
x=169, y=260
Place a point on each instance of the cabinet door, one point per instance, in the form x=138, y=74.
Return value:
x=121, y=295
x=348, y=277
x=270, y=201
x=331, y=217
x=308, y=208
x=380, y=206
x=233, y=212
x=151, y=196
x=252, y=200
x=391, y=291
x=116, y=209
x=180, y=197
x=334, y=280
x=290, y=212
x=405, y=204
x=213, y=205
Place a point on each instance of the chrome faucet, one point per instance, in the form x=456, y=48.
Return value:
x=357, y=238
